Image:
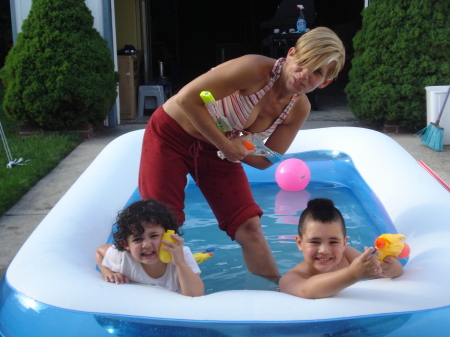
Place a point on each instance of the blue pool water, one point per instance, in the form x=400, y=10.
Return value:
x=333, y=176
x=226, y=269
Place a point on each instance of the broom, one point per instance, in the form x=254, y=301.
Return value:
x=434, y=133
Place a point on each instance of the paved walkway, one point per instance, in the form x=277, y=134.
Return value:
x=20, y=221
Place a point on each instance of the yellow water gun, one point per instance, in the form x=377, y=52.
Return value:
x=392, y=245
x=221, y=121
x=202, y=257
x=251, y=141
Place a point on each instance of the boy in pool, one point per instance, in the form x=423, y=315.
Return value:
x=134, y=254
x=330, y=265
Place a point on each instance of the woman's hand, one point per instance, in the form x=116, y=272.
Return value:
x=236, y=150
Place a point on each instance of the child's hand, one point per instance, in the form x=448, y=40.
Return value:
x=116, y=278
x=391, y=267
x=176, y=249
x=367, y=265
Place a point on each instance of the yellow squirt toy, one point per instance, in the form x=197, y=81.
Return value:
x=202, y=257
x=391, y=245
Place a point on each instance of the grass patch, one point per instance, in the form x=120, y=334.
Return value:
x=44, y=151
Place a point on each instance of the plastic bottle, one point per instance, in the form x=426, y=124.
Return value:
x=301, y=22
x=164, y=255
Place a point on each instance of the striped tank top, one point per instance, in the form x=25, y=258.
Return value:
x=236, y=108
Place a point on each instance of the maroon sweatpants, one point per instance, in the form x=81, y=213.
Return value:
x=169, y=153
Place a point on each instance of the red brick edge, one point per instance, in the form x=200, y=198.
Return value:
x=395, y=127
x=85, y=131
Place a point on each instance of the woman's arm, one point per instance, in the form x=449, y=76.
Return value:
x=246, y=74
x=284, y=134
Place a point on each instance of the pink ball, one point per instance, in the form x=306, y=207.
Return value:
x=293, y=175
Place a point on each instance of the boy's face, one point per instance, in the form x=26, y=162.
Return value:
x=145, y=248
x=323, y=245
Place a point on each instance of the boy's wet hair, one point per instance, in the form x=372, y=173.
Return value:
x=318, y=48
x=322, y=210
x=133, y=220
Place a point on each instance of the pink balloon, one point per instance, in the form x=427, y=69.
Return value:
x=293, y=175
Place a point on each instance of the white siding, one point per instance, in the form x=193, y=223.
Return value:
x=22, y=8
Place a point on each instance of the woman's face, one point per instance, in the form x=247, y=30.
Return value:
x=303, y=80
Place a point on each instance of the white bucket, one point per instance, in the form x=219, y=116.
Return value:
x=435, y=100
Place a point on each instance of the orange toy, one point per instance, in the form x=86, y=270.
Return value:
x=392, y=245
x=248, y=145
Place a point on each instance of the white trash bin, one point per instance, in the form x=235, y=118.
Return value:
x=435, y=100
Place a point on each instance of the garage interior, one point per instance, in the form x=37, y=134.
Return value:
x=177, y=41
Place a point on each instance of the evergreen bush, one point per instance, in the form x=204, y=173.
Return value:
x=402, y=47
x=5, y=31
x=60, y=73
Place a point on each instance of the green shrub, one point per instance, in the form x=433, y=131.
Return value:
x=402, y=47
x=60, y=73
x=5, y=30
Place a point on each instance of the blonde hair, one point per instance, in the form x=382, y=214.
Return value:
x=318, y=48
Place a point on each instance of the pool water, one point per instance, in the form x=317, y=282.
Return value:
x=333, y=176
x=226, y=270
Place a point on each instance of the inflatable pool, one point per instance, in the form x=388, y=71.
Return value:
x=52, y=287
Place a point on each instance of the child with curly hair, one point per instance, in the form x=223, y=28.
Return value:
x=134, y=254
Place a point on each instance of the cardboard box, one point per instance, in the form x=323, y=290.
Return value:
x=129, y=71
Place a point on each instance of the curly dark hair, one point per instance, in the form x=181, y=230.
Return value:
x=140, y=214
x=323, y=210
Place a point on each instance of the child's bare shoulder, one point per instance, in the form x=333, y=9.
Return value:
x=294, y=279
x=350, y=254
x=298, y=273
